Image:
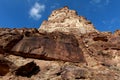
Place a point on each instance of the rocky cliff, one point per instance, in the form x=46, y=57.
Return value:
x=66, y=47
x=65, y=20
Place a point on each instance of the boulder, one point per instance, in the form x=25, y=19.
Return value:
x=27, y=70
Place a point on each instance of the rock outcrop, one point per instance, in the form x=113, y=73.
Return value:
x=65, y=20
x=73, y=51
x=27, y=70
x=53, y=46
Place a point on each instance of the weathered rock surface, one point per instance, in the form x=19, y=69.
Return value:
x=27, y=70
x=53, y=46
x=65, y=20
x=117, y=32
x=5, y=66
x=50, y=54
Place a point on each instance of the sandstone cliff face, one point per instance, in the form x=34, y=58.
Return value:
x=50, y=54
x=65, y=20
x=53, y=46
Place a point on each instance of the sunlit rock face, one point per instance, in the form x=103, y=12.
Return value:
x=65, y=20
x=66, y=47
x=117, y=33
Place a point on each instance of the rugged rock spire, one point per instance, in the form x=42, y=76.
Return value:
x=65, y=20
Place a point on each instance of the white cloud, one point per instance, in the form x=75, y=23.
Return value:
x=100, y=3
x=114, y=22
x=36, y=10
x=54, y=5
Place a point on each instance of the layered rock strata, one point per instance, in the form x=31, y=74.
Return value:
x=54, y=54
x=65, y=20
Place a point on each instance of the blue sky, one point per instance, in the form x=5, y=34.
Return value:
x=104, y=14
